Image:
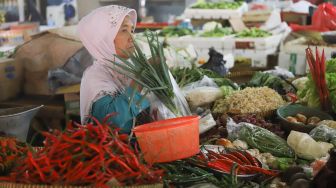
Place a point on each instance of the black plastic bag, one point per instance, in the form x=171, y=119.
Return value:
x=216, y=62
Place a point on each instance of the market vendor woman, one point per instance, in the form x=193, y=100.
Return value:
x=106, y=32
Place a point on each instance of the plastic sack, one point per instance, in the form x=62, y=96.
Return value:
x=215, y=63
x=160, y=112
x=324, y=19
x=204, y=82
x=202, y=93
x=71, y=72
x=306, y=147
x=233, y=128
x=284, y=73
x=324, y=133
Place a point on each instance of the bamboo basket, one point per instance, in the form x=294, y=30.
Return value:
x=18, y=185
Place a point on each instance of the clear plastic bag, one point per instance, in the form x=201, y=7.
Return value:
x=202, y=93
x=324, y=133
x=233, y=129
x=159, y=111
x=205, y=82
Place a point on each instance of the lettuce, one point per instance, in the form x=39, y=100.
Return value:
x=331, y=83
x=309, y=94
x=331, y=66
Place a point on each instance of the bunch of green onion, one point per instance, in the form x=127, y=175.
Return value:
x=151, y=74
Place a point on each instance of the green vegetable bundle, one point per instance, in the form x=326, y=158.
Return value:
x=173, y=31
x=201, y=4
x=217, y=32
x=253, y=33
x=309, y=93
x=183, y=174
x=152, y=74
x=265, y=141
x=261, y=79
x=184, y=76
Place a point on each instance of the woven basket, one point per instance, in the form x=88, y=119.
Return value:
x=17, y=185
x=265, y=114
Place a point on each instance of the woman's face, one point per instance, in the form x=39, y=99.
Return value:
x=123, y=40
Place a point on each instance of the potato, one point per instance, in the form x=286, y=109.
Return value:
x=291, y=119
x=313, y=120
x=301, y=118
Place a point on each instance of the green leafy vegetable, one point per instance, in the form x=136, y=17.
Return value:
x=261, y=79
x=173, y=31
x=309, y=93
x=217, y=32
x=184, y=76
x=217, y=5
x=254, y=33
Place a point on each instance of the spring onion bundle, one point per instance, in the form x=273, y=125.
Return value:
x=151, y=74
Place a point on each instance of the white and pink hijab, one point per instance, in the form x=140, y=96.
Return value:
x=97, y=32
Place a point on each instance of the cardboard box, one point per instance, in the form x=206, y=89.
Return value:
x=72, y=104
x=10, y=78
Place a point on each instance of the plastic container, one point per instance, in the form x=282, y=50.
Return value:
x=292, y=110
x=169, y=140
x=16, y=121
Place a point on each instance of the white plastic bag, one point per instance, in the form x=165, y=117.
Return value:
x=160, y=112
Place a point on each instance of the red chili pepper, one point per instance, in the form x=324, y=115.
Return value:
x=293, y=97
x=241, y=157
x=31, y=160
x=252, y=159
x=234, y=158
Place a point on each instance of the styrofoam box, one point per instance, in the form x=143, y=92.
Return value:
x=295, y=63
x=293, y=55
x=177, y=42
x=253, y=43
x=207, y=42
x=215, y=13
x=258, y=57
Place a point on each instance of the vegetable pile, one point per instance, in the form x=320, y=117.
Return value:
x=83, y=155
x=225, y=161
x=184, y=76
x=182, y=174
x=249, y=100
x=309, y=93
x=317, y=68
x=217, y=32
x=217, y=5
x=280, y=85
x=172, y=31
x=302, y=119
x=261, y=122
x=265, y=141
x=253, y=33
x=11, y=150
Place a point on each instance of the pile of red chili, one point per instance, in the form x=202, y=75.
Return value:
x=224, y=161
x=10, y=150
x=84, y=155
